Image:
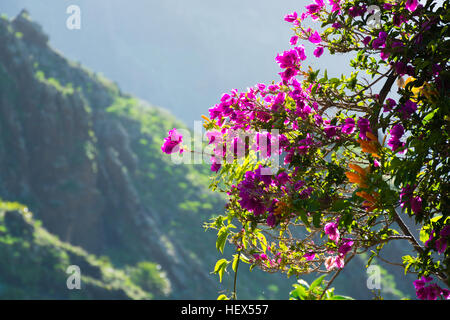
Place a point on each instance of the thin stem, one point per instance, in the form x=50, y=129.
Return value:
x=235, y=276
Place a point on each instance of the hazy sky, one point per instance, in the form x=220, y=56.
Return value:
x=178, y=54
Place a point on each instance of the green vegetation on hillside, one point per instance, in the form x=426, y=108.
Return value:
x=34, y=265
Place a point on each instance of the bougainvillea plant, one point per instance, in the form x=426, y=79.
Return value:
x=359, y=153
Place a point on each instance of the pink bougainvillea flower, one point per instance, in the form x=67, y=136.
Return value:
x=289, y=59
x=429, y=291
x=293, y=40
x=331, y=229
x=384, y=55
x=406, y=194
x=288, y=74
x=390, y=103
x=376, y=163
x=416, y=204
x=445, y=232
x=334, y=262
x=345, y=247
x=315, y=38
x=407, y=109
x=334, y=5
x=364, y=127
x=336, y=25
x=214, y=137
x=301, y=52
x=396, y=132
x=309, y=256
x=441, y=245
x=329, y=263
x=380, y=42
x=357, y=11
x=411, y=5
x=312, y=8
x=215, y=164
x=291, y=17
x=271, y=220
x=318, y=52
x=171, y=143
x=349, y=126
x=339, y=262
x=366, y=40
x=330, y=131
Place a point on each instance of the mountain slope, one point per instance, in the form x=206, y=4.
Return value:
x=85, y=158
x=34, y=265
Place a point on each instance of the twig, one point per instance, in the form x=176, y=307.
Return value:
x=235, y=276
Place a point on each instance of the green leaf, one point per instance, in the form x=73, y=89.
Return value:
x=316, y=219
x=429, y=116
x=317, y=282
x=340, y=204
x=262, y=241
x=334, y=81
x=304, y=217
x=222, y=236
x=312, y=206
x=220, y=268
x=303, y=283
x=299, y=293
x=424, y=234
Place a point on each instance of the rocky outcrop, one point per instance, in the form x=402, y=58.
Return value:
x=31, y=31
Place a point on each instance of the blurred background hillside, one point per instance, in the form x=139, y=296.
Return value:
x=82, y=178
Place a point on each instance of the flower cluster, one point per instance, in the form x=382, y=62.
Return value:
x=426, y=290
x=441, y=241
x=253, y=191
x=172, y=142
x=345, y=245
x=407, y=199
x=339, y=180
x=397, y=132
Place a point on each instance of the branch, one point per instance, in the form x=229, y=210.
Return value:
x=234, y=296
x=381, y=97
x=413, y=240
x=406, y=230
